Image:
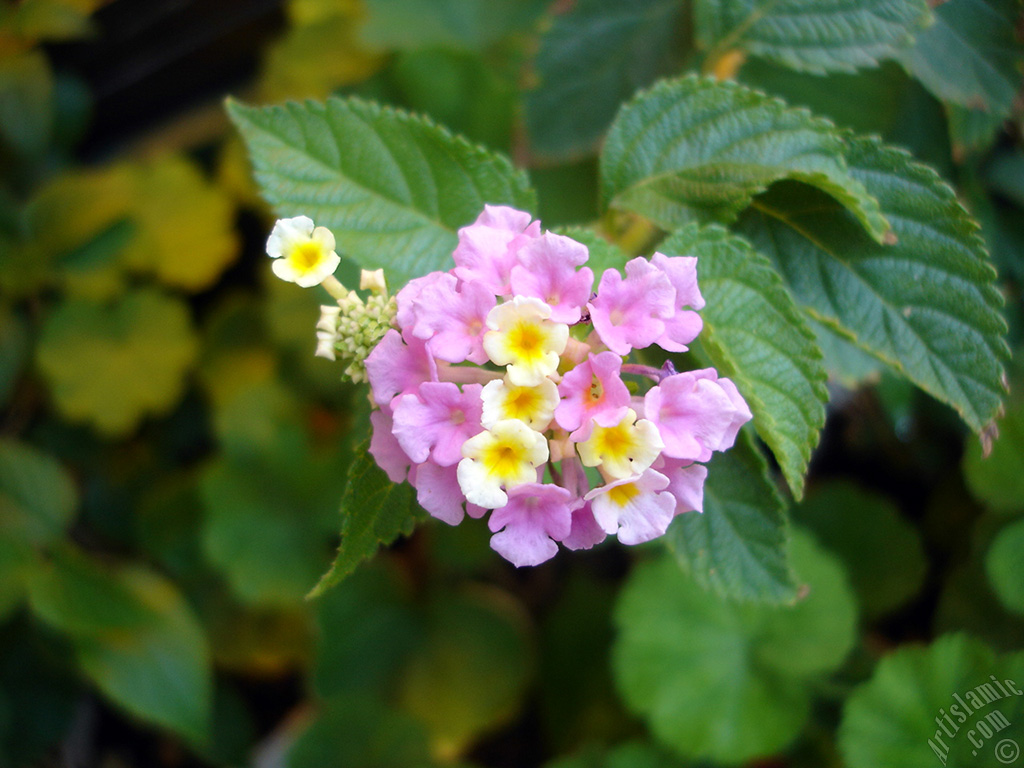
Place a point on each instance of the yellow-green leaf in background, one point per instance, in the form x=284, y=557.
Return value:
x=159, y=217
x=471, y=673
x=186, y=232
x=112, y=364
x=320, y=53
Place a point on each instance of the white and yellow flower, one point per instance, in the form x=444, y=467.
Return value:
x=504, y=456
x=626, y=449
x=302, y=254
x=523, y=338
x=535, y=406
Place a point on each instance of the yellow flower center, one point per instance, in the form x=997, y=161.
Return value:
x=305, y=257
x=503, y=460
x=626, y=449
x=621, y=495
x=526, y=341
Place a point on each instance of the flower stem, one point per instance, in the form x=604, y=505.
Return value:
x=642, y=370
x=466, y=375
x=334, y=287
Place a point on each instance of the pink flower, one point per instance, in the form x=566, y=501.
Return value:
x=547, y=271
x=685, y=482
x=438, y=492
x=536, y=516
x=487, y=248
x=684, y=326
x=384, y=446
x=486, y=390
x=630, y=314
x=452, y=318
x=437, y=420
x=398, y=365
x=637, y=508
x=593, y=390
x=696, y=413
x=585, y=532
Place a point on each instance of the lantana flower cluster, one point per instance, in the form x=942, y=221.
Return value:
x=505, y=386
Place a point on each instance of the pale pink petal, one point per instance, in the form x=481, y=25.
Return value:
x=438, y=492
x=685, y=482
x=630, y=313
x=581, y=400
x=455, y=320
x=547, y=271
x=398, y=365
x=487, y=248
x=585, y=531
x=385, y=449
x=536, y=516
x=695, y=414
x=436, y=420
x=645, y=516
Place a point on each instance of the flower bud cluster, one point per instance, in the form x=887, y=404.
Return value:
x=507, y=386
x=352, y=328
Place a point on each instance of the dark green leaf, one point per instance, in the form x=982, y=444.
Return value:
x=926, y=305
x=134, y=635
x=699, y=147
x=374, y=512
x=904, y=715
x=1005, y=566
x=457, y=23
x=998, y=479
x=471, y=673
x=41, y=495
x=756, y=335
x=393, y=188
x=359, y=730
x=723, y=680
x=882, y=552
x=591, y=59
x=738, y=547
x=970, y=55
x=811, y=35
x=14, y=352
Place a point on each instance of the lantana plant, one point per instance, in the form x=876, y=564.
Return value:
x=507, y=383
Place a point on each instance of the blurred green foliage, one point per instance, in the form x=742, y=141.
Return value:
x=172, y=457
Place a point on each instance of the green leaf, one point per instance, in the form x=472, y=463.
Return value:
x=359, y=730
x=270, y=497
x=970, y=55
x=41, y=494
x=134, y=636
x=14, y=351
x=393, y=188
x=591, y=59
x=925, y=305
x=816, y=36
x=161, y=674
x=899, y=716
x=374, y=511
x=111, y=365
x=471, y=673
x=738, y=547
x=882, y=552
x=722, y=680
x=26, y=103
x=756, y=335
x=77, y=596
x=698, y=147
x=636, y=754
x=367, y=627
x=454, y=23
x=998, y=479
x=1005, y=566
